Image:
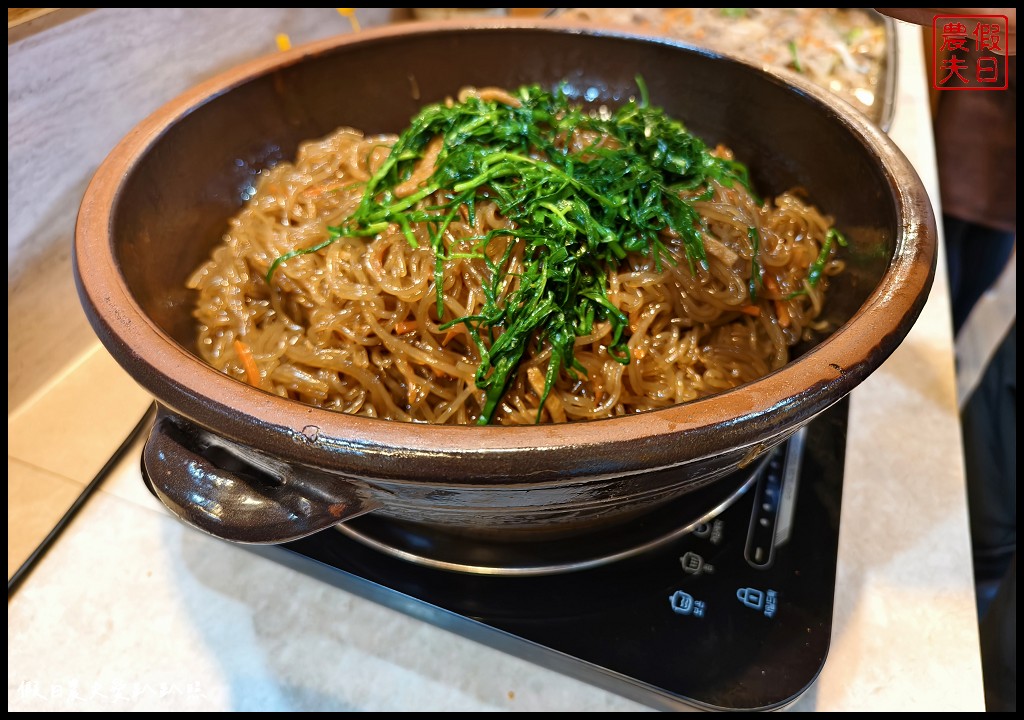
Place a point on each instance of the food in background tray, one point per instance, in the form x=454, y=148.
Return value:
x=841, y=49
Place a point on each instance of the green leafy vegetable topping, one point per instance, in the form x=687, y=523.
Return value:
x=579, y=213
x=818, y=266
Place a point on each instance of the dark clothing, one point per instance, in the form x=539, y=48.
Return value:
x=976, y=255
x=990, y=455
x=999, y=645
x=990, y=452
x=976, y=147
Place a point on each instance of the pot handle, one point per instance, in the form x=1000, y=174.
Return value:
x=217, y=491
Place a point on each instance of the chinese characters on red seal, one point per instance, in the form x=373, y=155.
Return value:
x=970, y=52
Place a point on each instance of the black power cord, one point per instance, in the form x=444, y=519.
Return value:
x=29, y=565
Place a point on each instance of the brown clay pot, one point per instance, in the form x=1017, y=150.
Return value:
x=249, y=466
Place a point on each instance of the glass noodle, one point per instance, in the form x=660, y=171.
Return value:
x=354, y=326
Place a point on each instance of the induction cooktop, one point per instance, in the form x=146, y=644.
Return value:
x=717, y=601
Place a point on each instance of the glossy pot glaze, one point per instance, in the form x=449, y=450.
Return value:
x=250, y=466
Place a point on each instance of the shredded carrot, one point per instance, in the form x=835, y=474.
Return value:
x=453, y=332
x=252, y=372
x=781, y=312
x=751, y=310
x=405, y=326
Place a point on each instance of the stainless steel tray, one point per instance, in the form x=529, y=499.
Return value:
x=656, y=22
